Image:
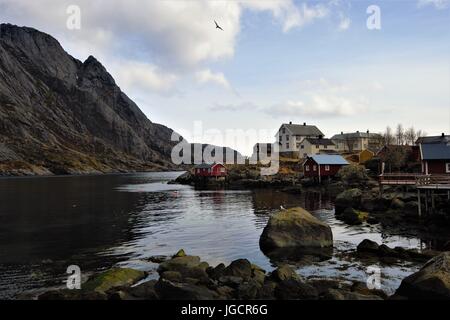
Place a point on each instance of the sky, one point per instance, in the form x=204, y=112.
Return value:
x=318, y=62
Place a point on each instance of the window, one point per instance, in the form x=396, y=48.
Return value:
x=281, y=138
x=447, y=167
x=283, y=130
x=287, y=145
x=222, y=170
x=302, y=146
x=298, y=145
x=317, y=146
x=325, y=146
x=209, y=170
x=307, y=168
x=327, y=168
x=298, y=137
x=314, y=168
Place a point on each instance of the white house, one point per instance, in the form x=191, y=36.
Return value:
x=290, y=136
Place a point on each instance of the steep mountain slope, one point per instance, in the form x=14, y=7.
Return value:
x=59, y=115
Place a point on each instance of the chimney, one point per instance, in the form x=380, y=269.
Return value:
x=304, y=123
x=357, y=131
x=443, y=135
x=290, y=122
x=368, y=131
x=342, y=132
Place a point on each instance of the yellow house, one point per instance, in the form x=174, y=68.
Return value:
x=365, y=156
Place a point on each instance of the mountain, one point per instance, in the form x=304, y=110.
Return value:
x=59, y=115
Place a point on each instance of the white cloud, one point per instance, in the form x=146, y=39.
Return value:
x=143, y=76
x=246, y=105
x=438, y=4
x=206, y=76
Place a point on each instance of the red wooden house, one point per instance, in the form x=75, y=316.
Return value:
x=214, y=170
x=323, y=165
x=435, y=155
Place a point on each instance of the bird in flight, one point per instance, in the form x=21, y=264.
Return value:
x=217, y=25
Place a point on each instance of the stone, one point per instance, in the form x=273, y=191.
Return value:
x=179, y=254
x=284, y=272
x=348, y=198
x=295, y=228
x=167, y=290
x=217, y=272
x=353, y=217
x=295, y=290
x=248, y=290
x=173, y=276
x=144, y=291
x=432, y=281
x=116, y=277
x=368, y=246
x=179, y=264
x=397, y=204
x=239, y=268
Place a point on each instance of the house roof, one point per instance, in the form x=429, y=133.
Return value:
x=433, y=139
x=303, y=130
x=435, y=151
x=321, y=142
x=331, y=159
x=206, y=165
x=354, y=135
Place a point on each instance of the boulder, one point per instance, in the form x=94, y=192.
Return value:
x=284, y=272
x=353, y=217
x=167, y=290
x=432, y=281
x=217, y=272
x=179, y=264
x=239, y=268
x=144, y=291
x=348, y=198
x=117, y=277
x=368, y=246
x=292, y=289
x=295, y=228
x=337, y=294
x=397, y=204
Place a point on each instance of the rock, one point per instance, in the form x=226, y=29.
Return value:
x=368, y=246
x=336, y=294
x=353, y=217
x=284, y=272
x=231, y=281
x=267, y=292
x=411, y=208
x=144, y=291
x=179, y=254
x=432, y=281
x=361, y=288
x=348, y=198
x=239, y=268
x=385, y=251
x=173, y=276
x=168, y=290
x=225, y=293
x=397, y=204
x=248, y=290
x=117, y=277
x=217, y=272
x=259, y=276
x=157, y=259
x=295, y=228
x=179, y=264
x=295, y=290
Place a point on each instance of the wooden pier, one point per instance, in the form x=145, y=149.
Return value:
x=427, y=185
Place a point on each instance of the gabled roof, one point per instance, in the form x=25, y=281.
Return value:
x=355, y=135
x=329, y=159
x=320, y=142
x=302, y=130
x=206, y=165
x=433, y=139
x=435, y=151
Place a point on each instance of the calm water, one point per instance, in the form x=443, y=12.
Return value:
x=95, y=222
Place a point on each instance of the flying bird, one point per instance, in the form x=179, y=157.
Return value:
x=217, y=25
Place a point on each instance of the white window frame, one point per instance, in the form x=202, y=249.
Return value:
x=327, y=168
x=314, y=168
x=307, y=168
x=447, y=167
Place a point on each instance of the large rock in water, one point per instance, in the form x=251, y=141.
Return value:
x=350, y=198
x=295, y=228
x=430, y=282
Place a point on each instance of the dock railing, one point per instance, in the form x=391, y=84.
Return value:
x=400, y=178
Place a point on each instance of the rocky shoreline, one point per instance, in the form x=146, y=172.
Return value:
x=185, y=277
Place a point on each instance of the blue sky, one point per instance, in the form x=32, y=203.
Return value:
x=275, y=61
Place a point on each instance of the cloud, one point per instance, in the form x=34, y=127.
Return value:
x=438, y=4
x=205, y=76
x=246, y=105
x=143, y=76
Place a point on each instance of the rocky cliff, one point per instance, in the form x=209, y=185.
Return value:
x=59, y=115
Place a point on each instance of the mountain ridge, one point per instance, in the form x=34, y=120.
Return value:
x=59, y=115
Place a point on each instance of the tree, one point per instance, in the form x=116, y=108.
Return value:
x=400, y=134
x=411, y=136
x=388, y=137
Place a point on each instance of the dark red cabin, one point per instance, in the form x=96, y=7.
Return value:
x=323, y=165
x=210, y=170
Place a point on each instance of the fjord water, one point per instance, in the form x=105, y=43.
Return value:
x=95, y=222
